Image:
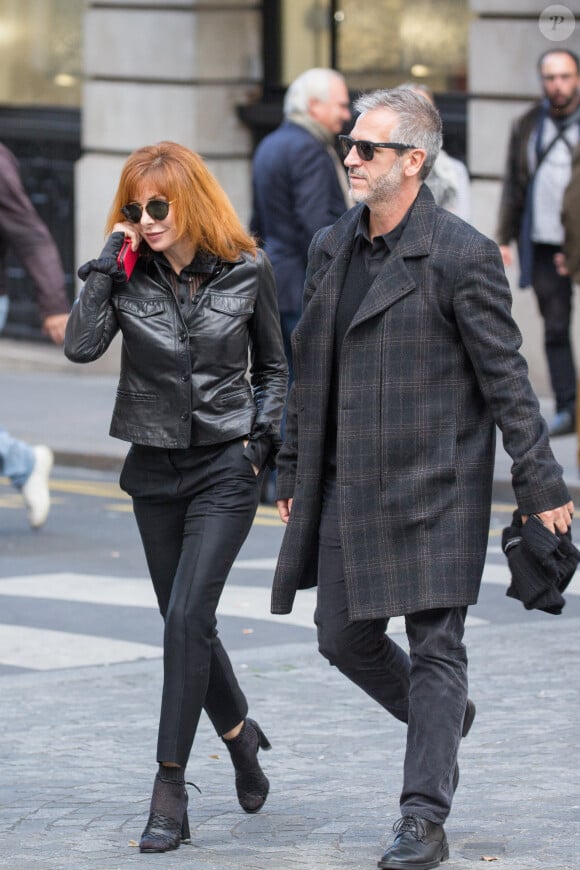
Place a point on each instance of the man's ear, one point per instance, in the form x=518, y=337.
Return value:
x=414, y=161
x=313, y=106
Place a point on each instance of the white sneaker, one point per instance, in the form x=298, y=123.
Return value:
x=35, y=490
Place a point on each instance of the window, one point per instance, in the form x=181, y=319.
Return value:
x=378, y=43
x=40, y=52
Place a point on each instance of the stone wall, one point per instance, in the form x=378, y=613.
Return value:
x=155, y=71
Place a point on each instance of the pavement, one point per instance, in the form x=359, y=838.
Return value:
x=76, y=744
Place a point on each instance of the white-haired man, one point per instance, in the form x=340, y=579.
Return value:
x=299, y=184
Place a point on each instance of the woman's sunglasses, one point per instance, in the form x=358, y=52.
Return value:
x=158, y=209
x=365, y=149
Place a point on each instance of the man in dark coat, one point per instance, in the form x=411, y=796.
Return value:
x=299, y=184
x=406, y=358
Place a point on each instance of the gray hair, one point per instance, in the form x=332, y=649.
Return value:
x=419, y=88
x=312, y=84
x=419, y=121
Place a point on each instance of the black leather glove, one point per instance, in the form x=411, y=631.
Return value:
x=104, y=265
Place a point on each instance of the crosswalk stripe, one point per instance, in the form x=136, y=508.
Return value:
x=45, y=649
x=252, y=602
x=42, y=649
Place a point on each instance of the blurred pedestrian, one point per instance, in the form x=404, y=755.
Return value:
x=539, y=166
x=299, y=185
x=22, y=230
x=200, y=302
x=571, y=222
x=406, y=361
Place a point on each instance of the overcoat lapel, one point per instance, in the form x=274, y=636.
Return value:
x=395, y=280
x=392, y=283
x=316, y=326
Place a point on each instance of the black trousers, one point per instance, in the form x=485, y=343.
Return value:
x=194, y=509
x=554, y=294
x=426, y=689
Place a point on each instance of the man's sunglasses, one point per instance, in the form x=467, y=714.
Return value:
x=158, y=209
x=366, y=150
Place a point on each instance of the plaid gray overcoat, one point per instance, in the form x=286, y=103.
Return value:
x=429, y=365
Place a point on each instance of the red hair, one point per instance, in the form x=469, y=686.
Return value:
x=203, y=212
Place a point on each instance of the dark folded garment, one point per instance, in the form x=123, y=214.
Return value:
x=541, y=563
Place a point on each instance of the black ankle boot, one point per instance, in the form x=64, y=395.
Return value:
x=168, y=825
x=252, y=785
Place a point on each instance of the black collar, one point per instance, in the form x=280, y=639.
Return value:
x=390, y=239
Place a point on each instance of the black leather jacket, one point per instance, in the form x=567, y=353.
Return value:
x=180, y=387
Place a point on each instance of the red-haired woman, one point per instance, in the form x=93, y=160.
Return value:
x=200, y=396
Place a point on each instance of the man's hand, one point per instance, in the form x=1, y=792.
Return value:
x=560, y=264
x=558, y=519
x=284, y=508
x=54, y=326
x=506, y=255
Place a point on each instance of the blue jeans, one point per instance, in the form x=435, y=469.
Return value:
x=16, y=457
x=4, y=305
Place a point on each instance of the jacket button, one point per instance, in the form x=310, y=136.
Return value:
x=185, y=416
x=183, y=336
x=185, y=376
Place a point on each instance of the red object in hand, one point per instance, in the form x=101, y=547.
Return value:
x=127, y=257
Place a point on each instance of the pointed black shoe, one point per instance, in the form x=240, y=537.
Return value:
x=419, y=845
x=252, y=784
x=168, y=825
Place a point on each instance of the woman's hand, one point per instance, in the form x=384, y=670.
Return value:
x=131, y=231
x=245, y=442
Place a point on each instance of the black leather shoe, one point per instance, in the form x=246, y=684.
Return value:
x=419, y=845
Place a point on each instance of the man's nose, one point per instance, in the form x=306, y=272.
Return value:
x=351, y=158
